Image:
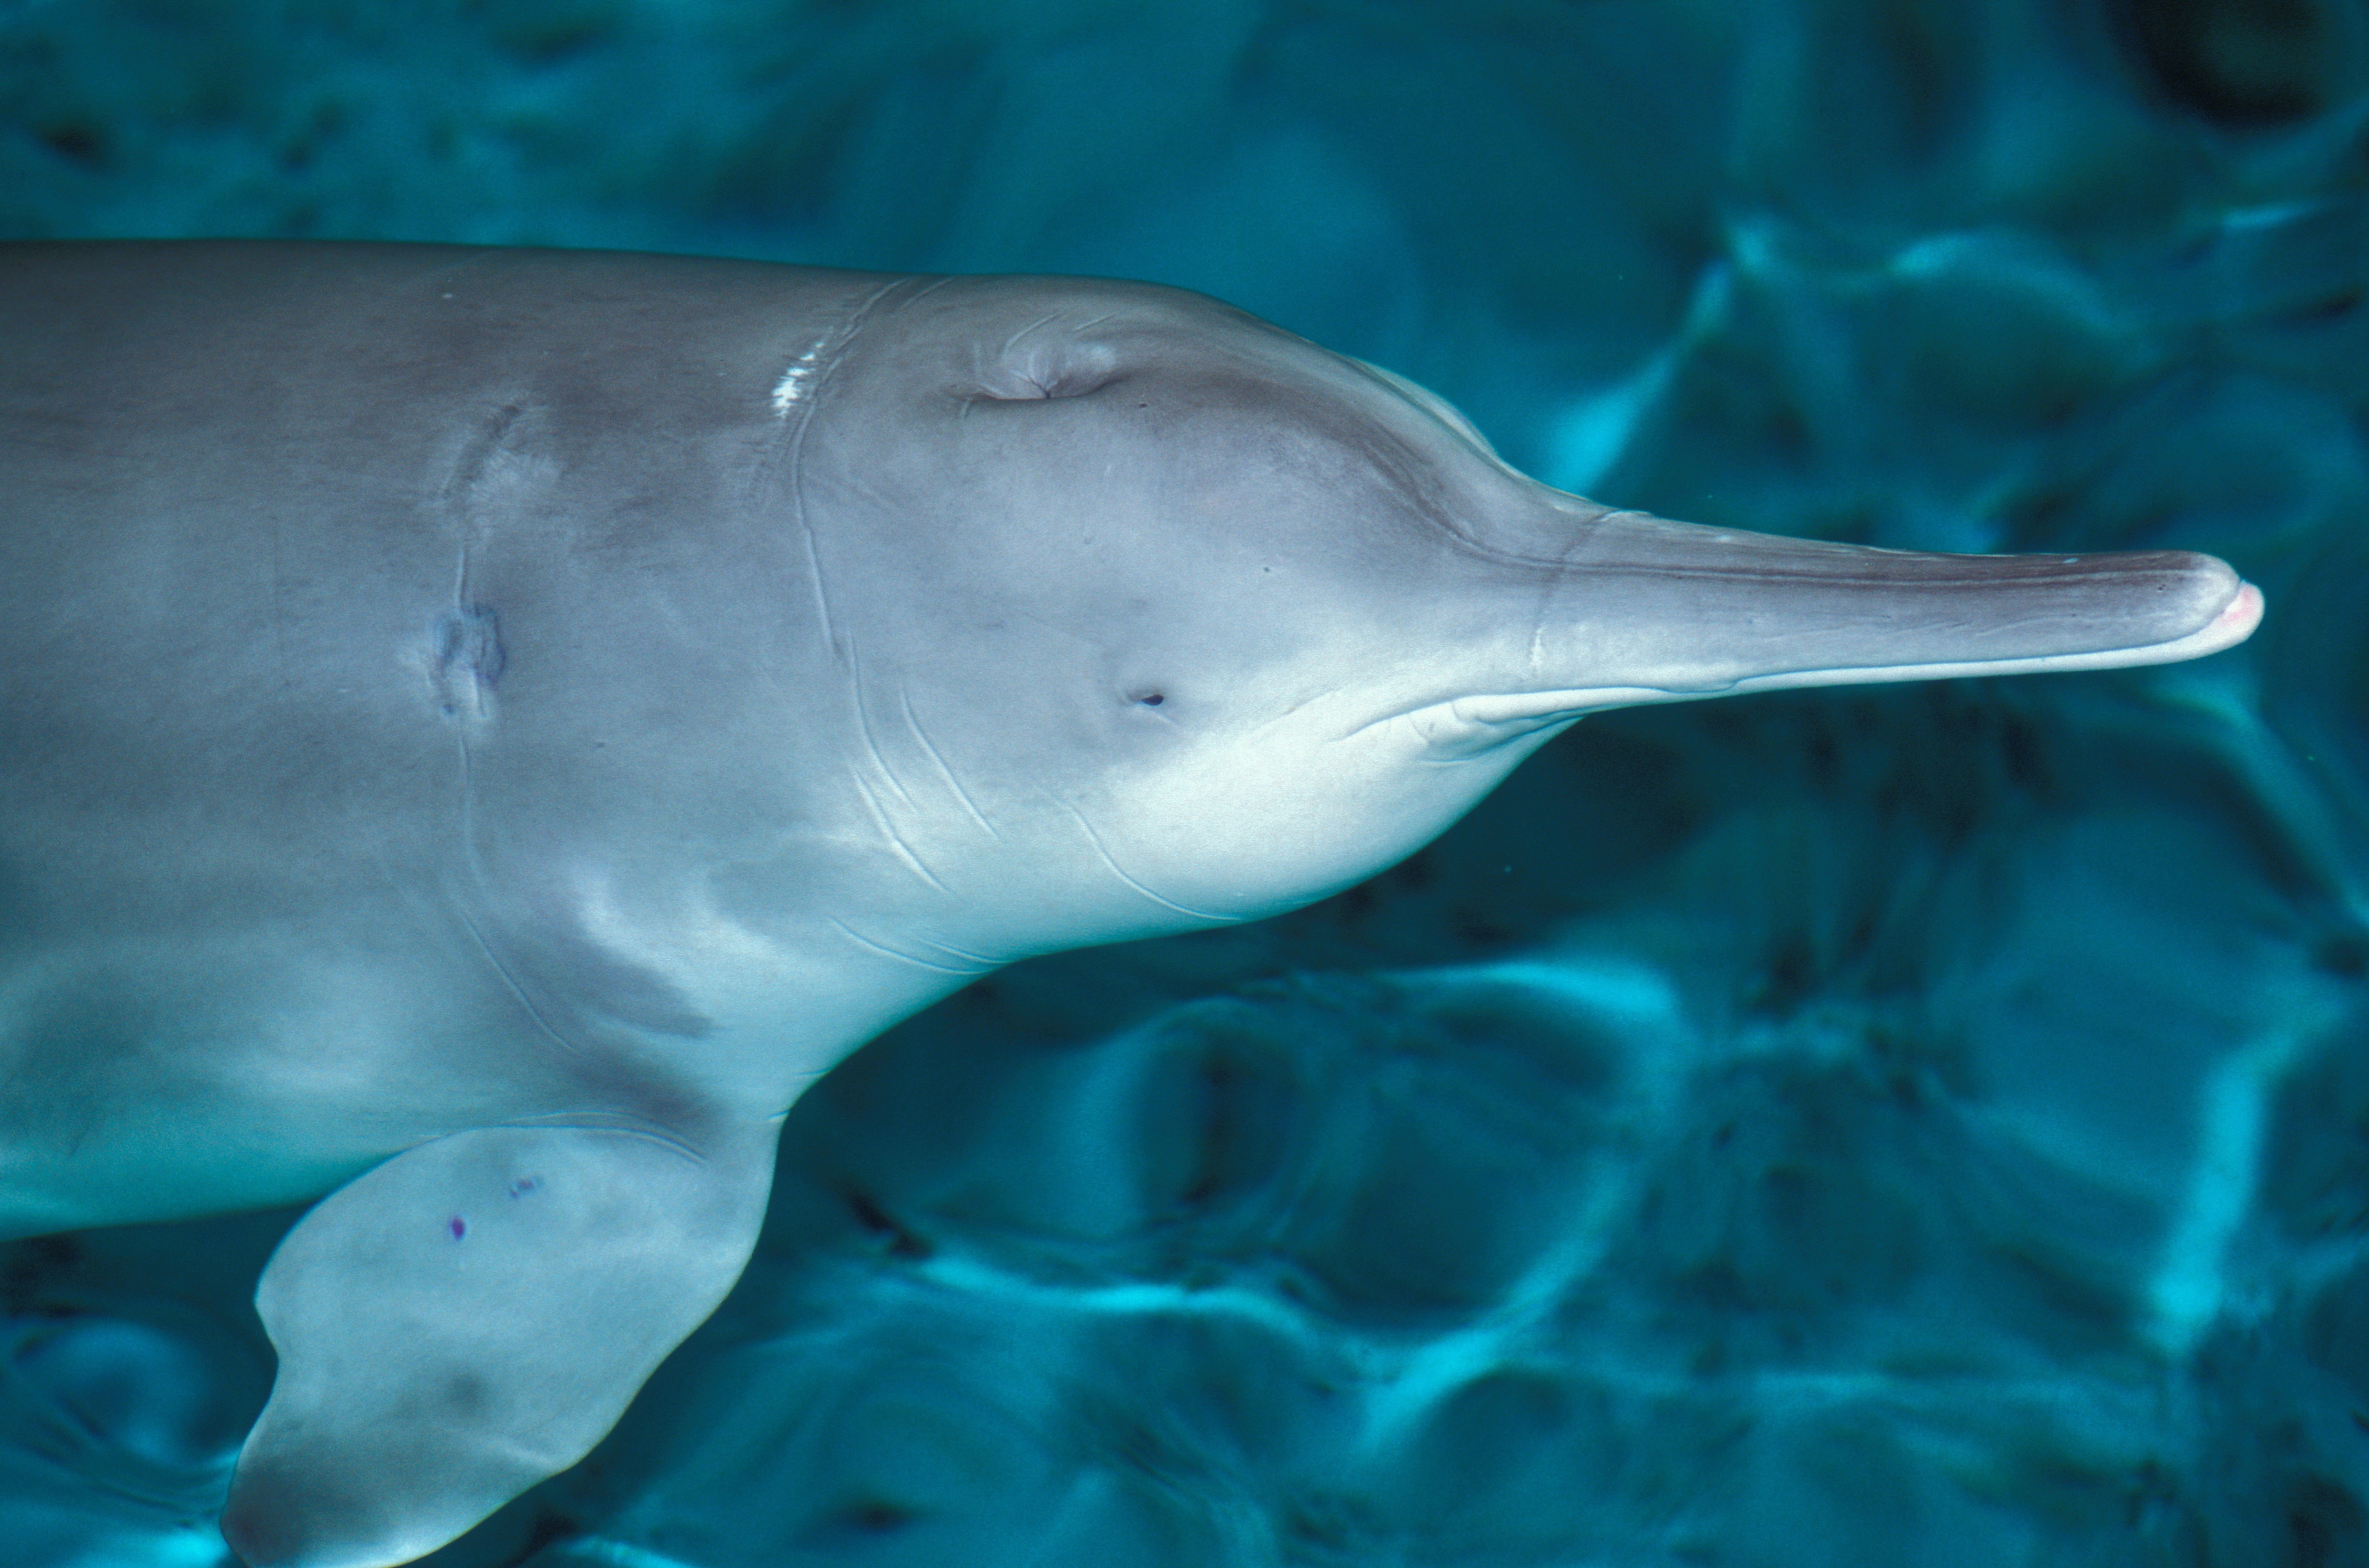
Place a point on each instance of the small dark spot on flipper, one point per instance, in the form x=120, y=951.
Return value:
x=466, y=1394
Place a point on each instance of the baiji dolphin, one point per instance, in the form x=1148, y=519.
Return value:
x=484, y=729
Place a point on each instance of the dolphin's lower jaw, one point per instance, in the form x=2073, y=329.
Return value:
x=775, y=569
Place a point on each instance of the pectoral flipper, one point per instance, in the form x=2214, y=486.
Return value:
x=472, y=1316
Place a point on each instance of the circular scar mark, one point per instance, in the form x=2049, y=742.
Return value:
x=468, y=661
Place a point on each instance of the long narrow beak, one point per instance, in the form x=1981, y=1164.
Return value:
x=1641, y=609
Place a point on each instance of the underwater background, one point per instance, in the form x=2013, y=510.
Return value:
x=1918, y=1125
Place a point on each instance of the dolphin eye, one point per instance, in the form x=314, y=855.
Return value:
x=1147, y=698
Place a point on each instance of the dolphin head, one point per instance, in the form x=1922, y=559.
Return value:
x=1152, y=614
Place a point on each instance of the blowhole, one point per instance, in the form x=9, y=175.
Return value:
x=1042, y=371
x=1028, y=389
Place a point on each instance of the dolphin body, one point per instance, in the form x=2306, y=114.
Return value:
x=480, y=730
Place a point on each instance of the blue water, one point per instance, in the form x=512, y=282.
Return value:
x=1912, y=1126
